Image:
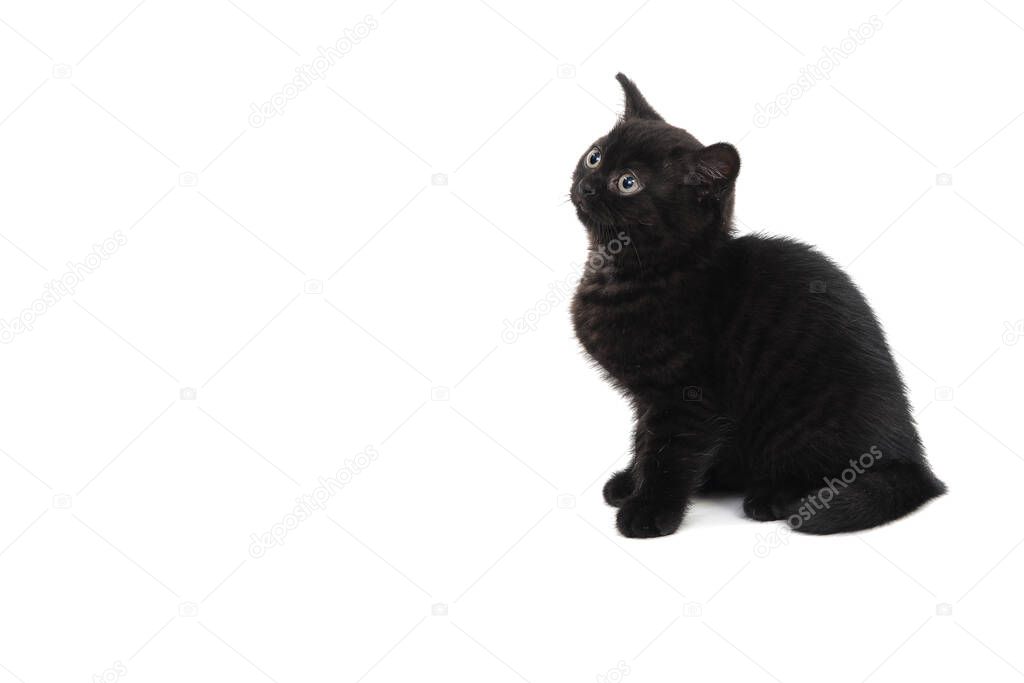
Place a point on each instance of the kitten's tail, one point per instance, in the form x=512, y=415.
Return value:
x=876, y=496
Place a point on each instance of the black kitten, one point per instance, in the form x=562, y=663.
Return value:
x=753, y=363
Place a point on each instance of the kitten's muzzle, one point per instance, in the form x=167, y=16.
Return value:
x=582, y=192
x=585, y=189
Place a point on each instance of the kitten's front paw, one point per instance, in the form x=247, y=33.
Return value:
x=639, y=518
x=619, y=488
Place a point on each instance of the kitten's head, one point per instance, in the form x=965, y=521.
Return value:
x=652, y=179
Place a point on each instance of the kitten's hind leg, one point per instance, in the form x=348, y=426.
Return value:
x=757, y=505
x=620, y=487
x=875, y=496
x=764, y=504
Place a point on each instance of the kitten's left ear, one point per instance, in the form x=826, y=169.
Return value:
x=636, y=105
x=714, y=167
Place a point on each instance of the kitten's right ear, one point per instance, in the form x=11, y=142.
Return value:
x=712, y=168
x=636, y=105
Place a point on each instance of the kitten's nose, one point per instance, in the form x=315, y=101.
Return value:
x=586, y=189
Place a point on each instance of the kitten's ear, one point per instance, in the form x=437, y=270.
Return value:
x=636, y=105
x=713, y=167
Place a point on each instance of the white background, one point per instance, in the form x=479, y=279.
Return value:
x=127, y=512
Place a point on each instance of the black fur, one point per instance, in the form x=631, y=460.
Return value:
x=753, y=363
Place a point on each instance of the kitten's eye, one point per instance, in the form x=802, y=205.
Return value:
x=593, y=158
x=628, y=183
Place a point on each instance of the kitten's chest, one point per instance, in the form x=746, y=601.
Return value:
x=634, y=330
